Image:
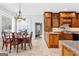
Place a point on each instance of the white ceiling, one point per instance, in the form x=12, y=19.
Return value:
x=39, y=8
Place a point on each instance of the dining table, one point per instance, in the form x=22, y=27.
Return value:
x=17, y=38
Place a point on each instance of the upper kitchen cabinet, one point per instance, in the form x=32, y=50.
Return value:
x=67, y=14
x=77, y=14
x=67, y=17
x=76, y=22
x=62, y=18
x=47, y=21
x=55, y=20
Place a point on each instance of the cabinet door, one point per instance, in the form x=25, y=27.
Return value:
x=55, y=20
x=61, y=35
x=48, y=14
x=55, y=23
x=75, y=23
x=54, y=40
x=68, y=14
x=67, y=52
x=47, y=24
x=51, y=39
x=68, y=36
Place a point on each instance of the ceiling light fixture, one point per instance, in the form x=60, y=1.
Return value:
x=19, y=16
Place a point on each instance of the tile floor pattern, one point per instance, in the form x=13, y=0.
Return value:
x=39, y=49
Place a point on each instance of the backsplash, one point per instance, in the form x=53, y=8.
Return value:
x=68, y=29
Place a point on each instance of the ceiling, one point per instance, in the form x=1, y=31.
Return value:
x=39, y=8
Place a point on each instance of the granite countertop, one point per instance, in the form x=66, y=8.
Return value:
x=73, y=45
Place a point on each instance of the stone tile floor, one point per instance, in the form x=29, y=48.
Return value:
x=39, y=48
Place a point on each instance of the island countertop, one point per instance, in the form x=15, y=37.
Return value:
x=73, y=45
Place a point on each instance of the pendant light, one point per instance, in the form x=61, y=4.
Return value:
x=19, y=17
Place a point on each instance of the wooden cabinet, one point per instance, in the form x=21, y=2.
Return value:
x=47, y=24
x=67, y=17
x=67, y=14
x=47, y=21
x=75, y=54
x=55, y=20
x=68, y=48
x=53, y=40
x=47, y=14
x=77, y=15
x=55, y=23
x=66, y=21
x=76, y=21
x=66, y=36
x=67, y=52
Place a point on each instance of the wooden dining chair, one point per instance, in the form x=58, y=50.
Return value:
x=12, y=41
x=20, y=38
x=17, y=40
x=28, y=40
x=6, y=39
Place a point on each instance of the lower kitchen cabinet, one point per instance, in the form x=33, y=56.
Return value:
x=53, y=41
x=66, y=36
x=69, y=47
x=67, y=52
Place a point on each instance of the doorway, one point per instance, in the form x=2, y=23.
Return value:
x=38, y=30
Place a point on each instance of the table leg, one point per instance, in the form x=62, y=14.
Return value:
x=3, y=46
x=17, y=48
x=10, y=49
x=24, y=46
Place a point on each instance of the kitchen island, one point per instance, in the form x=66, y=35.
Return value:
x=69, y=47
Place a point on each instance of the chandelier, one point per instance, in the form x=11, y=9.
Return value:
x=19, y=16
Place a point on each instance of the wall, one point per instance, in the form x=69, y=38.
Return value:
x=0, y=26
x=6, y=16
x=29, y=23
x=6, y=23
x=36, y=19
x=39, y=8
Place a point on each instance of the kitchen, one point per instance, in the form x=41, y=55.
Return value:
x=61, y=31
x=58, y=26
